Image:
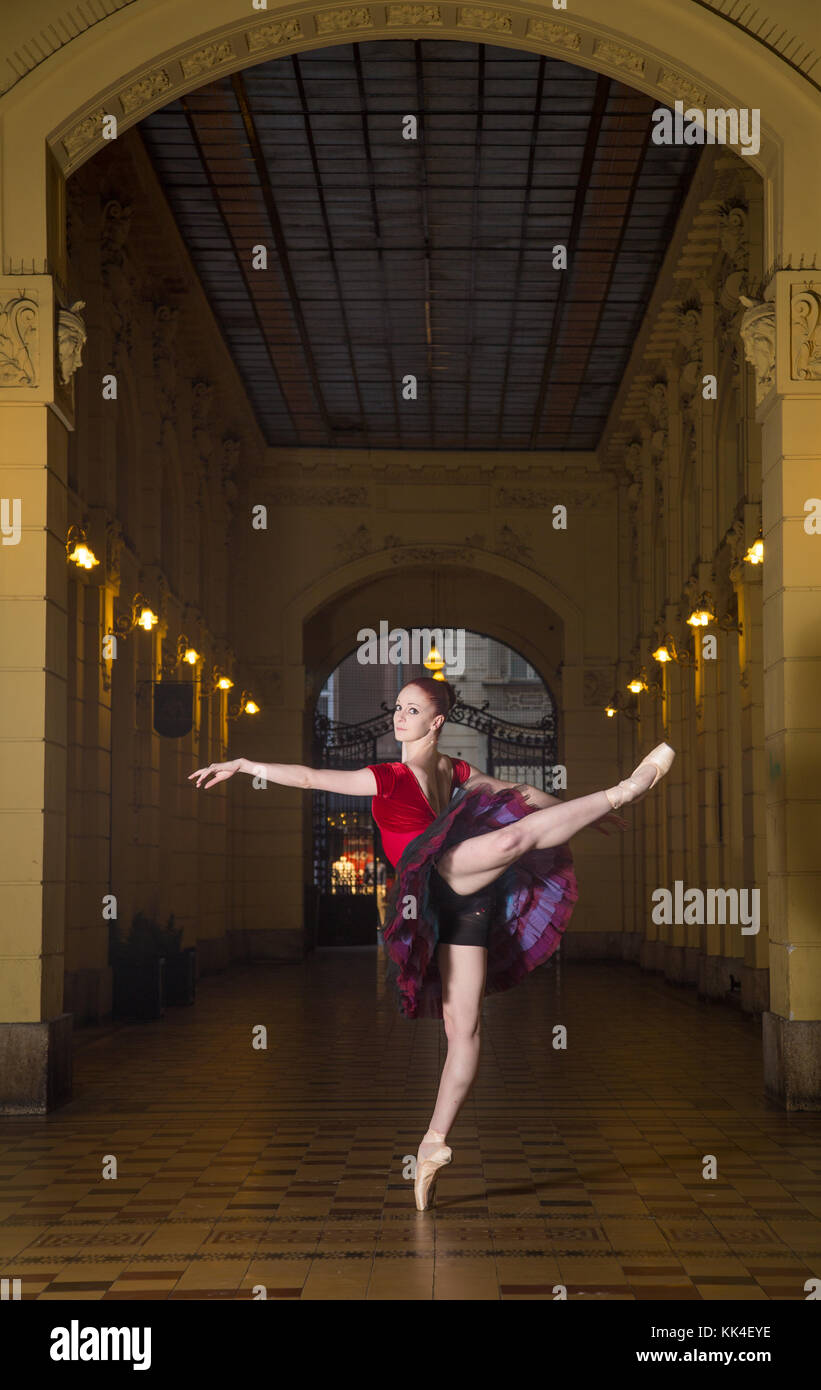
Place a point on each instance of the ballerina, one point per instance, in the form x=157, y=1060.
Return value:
x=484, y=885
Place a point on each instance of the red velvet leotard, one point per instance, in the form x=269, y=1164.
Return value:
x=400, y=809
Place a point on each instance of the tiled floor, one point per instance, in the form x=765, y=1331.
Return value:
x=284, y=1167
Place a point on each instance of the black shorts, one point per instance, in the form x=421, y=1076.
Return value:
x=464, y=919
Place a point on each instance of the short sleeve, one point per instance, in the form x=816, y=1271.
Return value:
x=461, y=771
x=385, y=777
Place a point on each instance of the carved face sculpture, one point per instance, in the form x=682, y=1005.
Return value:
x=71, y=335
x=757, y=330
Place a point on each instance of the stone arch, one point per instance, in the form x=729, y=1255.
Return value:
x=129, y=66
x=377, y=566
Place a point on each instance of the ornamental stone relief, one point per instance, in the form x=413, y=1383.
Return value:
x=144, y=90
x=558, y=34
x=478, y=17
x=83, y=133
x=805, y=311
x=679, y=87
x=757, y=331
x=341, y=21
x=206, y=58
x=273, y=34
x=414, y=14
x=19, y=339
x=619, y=57
x=597, y=687
x=71, y=337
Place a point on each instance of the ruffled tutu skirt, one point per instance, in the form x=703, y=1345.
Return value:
x=532, y=903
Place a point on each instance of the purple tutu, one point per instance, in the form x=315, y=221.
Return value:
x=533, y=904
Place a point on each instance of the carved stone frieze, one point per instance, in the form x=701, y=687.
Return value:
x=559, y=34
x=84, y=133
x=20, y=339
x=210, y=56
x=757, y=331
x=71, y=336
x=273, y=34
x=414, y=14
x=342, y=20
x=144, y=90
x=480, y=17
x=619, y=56
x=805, y=312
x=679, y=87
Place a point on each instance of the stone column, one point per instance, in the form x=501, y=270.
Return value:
x=781, y=338
x=42, y=337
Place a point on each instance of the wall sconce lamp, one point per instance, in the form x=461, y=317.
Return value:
x=616, y=707
x=755, y=554
x=78, y=550
x=704, y=615
x=668, y=651
x=142, y=615
x=246, y=706
x=640, y=684
x=218, y=681
x=185, y=652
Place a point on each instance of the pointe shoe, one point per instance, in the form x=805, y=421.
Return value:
x=661, y=758
x=427, y=1171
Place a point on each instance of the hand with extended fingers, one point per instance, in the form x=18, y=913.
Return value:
x=218, y=772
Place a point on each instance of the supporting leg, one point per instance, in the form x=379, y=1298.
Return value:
x=463, y=970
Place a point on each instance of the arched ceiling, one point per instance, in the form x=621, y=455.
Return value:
x=431, y=257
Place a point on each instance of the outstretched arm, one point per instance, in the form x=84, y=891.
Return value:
x=361, y=782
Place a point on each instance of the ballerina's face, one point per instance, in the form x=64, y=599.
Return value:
x=413, y=715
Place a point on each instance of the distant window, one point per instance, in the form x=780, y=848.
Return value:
x=519, y=669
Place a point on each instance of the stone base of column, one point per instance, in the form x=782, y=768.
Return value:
x=792, y=1061
x=249, y=944
x=87, y=994
x=651, y=955
x=601, y=945
x=35, y=1066
x=680, y=964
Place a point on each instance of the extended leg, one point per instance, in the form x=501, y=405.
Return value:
x=463, y=970
x=474, y=863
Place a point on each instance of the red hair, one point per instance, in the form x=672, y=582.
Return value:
x=441, y=692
